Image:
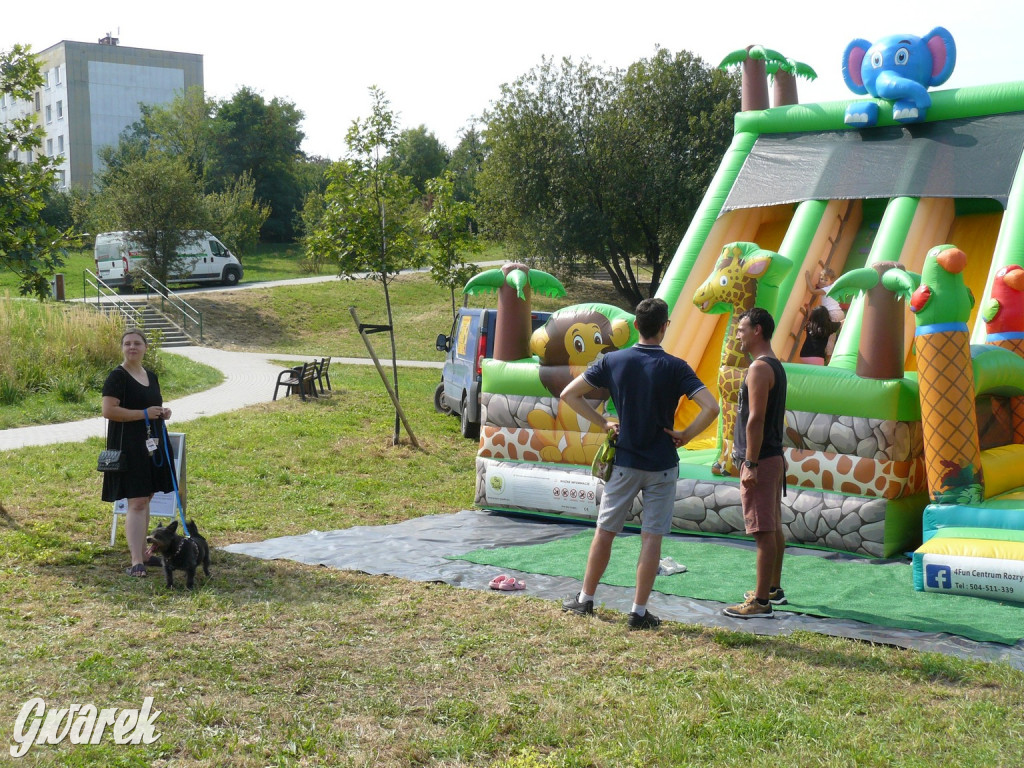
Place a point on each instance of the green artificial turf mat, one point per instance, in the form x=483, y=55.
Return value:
x=880, y=594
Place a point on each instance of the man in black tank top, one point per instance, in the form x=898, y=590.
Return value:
x=758, y=453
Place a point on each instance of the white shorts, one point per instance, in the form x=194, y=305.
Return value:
x=659, y=496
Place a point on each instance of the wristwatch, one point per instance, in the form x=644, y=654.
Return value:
x=749, y=464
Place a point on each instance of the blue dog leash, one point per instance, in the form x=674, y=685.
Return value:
x=174, y=475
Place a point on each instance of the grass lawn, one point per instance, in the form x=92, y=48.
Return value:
x=180, y=377
x=314, y=319
x=276, y=663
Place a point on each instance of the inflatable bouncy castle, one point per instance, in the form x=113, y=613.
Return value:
x=905, y=209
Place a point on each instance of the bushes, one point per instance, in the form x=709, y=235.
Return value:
x=48, y=347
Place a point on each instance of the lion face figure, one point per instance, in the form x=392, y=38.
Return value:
x=571, y=340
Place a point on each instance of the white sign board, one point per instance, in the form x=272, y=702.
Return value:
x=996, y=579
x=522, y=486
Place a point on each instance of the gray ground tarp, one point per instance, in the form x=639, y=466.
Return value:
x=416, y=550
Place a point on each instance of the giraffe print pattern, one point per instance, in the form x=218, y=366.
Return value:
x=732, y=287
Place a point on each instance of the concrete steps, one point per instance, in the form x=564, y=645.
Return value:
x=153, y=320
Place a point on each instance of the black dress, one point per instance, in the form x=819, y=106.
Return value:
x=143, y=477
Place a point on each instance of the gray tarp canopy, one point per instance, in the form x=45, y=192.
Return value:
x=973, y=157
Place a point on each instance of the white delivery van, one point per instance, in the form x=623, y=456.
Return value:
x=205, y=259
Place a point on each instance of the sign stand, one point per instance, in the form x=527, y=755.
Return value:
x=162, y=504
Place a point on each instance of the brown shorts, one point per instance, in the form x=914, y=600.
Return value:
x=762, y=504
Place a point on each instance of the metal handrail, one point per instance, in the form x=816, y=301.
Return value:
x=189, y=314
x=109, y=297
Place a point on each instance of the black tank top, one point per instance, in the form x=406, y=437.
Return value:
x=774, y=418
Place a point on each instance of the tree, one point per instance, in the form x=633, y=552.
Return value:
x=158, y=199
x=370, y=220
x=29, y=246
x=540, y=187
x=419, y=155
x=448, y=226
x=466, y=161
x=235, y=215
x=184, y=128
x=263, y=139
x=590, y=165
x=673, y=123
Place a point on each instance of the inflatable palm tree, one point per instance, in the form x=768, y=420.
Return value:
x=753, y=60
x=880, y=353
x=514, y=284
x=784, y=76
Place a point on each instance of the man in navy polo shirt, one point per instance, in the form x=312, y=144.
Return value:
x=646, y=384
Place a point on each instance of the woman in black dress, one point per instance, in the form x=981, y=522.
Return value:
x=129, y=394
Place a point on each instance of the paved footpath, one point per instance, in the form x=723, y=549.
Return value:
x=249, y=378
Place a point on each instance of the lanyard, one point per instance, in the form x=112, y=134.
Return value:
x=158, y=460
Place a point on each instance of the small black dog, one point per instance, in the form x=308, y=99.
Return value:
x=179, y=553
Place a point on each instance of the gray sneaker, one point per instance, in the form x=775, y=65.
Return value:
x=572, y=604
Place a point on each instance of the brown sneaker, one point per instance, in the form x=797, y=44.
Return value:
x=750, y=610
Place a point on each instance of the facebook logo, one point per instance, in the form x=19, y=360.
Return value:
x=938, y=576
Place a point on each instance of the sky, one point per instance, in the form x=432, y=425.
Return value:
x=442, y=63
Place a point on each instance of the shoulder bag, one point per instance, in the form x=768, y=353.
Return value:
x=113, y=459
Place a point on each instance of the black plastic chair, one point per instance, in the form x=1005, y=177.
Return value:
x=322, y=373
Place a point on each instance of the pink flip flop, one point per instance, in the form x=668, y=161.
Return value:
x=497, y=581
x=510, y=585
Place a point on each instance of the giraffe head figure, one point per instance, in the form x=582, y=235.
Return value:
x=740, y=272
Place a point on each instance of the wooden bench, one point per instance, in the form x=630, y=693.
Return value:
x=301, y=378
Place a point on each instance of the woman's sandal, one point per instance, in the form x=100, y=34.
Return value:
x=138, y=571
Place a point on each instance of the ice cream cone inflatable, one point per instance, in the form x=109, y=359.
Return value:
x=942, y=304
x=1004, y=324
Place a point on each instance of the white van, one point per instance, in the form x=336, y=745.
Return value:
x=206, y=259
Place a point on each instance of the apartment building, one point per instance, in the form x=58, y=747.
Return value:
x=92, y=92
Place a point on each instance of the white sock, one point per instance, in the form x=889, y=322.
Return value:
x=639, y=610
x=583, y=597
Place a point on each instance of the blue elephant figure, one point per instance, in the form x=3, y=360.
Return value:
x=900, y=69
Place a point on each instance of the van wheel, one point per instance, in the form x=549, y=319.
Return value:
x=230, y=277
x=470, y=429
x=440, y=404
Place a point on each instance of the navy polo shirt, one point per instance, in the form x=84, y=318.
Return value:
x=645, y=383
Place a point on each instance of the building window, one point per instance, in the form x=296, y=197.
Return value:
x=56, y=74
x=49, y=114
x=49, y=147
x=38, y=101
x=60, y=109
x=60, y=144
x=46, y=79
x=28, y=156
x=61, y=180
